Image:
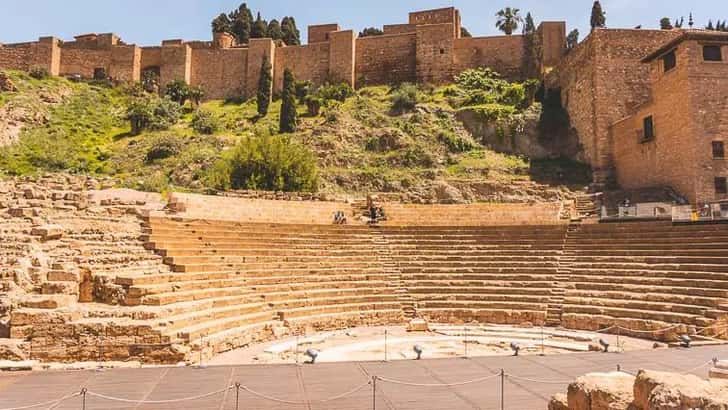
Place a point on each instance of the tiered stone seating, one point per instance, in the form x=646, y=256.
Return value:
x=238, y=276
x=478, y=214
x=490, y=274
x=645, y=275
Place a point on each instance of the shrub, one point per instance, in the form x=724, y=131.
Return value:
x=454, y=142
x=164, y=148
x=404, y=98
x=204, y=122
x=337, y=92
x=480, y=79
x=265, y=87
x=513, y=94
x=531, y=88
x=150, y=81
x=289, y=116
x=273, y=163
x=313, y=105
x=39, y=73
x=178, y=91
x=493, y=112
x=303, y=90
x=196, y=94
x=152, y=113
x=416, y=156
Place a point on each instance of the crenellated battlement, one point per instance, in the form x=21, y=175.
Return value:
x=429, y=48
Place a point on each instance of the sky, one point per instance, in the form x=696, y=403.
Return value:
x=148, y=22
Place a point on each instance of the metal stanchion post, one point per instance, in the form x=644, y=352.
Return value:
x=503, y=389
x=374, y=392
x=237, y=396
x=83, y=398
x=297, y=349
x=385, y=345
x=465, y=342
x=543, y=353
x=619, y=332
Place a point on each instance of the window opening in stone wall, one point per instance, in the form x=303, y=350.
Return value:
x=712, y=53
x=442, y=51
x=648, y=129
x=721, y=185
x=669, y=61
x=718, y=149
x=99, y=73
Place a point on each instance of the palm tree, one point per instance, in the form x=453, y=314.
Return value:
x=508, y=20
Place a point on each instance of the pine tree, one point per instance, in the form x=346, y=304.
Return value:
x=265, y=87
x=710, y=25
x=242, y=23
x=665, y=24
x=222, y=24
x=572, y=40
x=289, y=116
x=598, y=18
x=291, y=35
x=679, y=23
x=274, y=30
x=529, y=27
x=259, y=29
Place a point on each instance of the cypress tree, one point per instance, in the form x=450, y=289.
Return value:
x=265, y=87
x=242, y=23
x=274, y=30
x=529, y=26
x=598, y=18
x=289, y=116
x=259, y=29
x=710, y=25
x=291, y=35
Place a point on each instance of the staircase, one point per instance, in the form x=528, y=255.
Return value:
x=587, y=206
x=393, y=273
x=561, y=284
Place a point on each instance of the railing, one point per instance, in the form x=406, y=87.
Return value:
x=716, y=211
x=647, y=210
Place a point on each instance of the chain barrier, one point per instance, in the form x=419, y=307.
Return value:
x=240, y=387
x=306, y=402
x=46, y=404
x=192, y=398
x=482, y=379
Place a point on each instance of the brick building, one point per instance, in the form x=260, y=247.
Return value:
x=428, y=48
x=678, y=137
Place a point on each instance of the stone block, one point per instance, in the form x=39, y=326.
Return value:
x=658, y=390
x=48, y=232
x=417, y=325
x=601, y=391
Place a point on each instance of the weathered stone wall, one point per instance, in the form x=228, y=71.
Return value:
x=387, y=59
x=310, y=62
x=257, y=50
x=449, y=15
x=689, y=107
x=503, y=54
x=44, y=53
x=342, y=55
x=552, y=35
x=220, y=71
x=435, y=53
x=399, y=28
x=321, y=33
x=603, y=81
x=176, y=60
x=151, y=57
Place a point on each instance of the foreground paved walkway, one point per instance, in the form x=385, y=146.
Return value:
x=310, y=383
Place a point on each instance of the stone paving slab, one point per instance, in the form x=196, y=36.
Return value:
x=311, y=383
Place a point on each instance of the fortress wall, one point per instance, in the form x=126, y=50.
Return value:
x=151, y=57
x=176, y=59
x=83, y=61
x=603, y=81
x=321, y=33
x=399, y=28
x=435, y=53
x=553, y=42
x=44, y=53
x=387, y=59
x=503, y=54
x=449, y=15
x=310, y=62
x=257, y=50
x=342, y=55
x=220, y=71
x=126, y=63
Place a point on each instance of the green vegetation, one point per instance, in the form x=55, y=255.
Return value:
x=271, y=163
x=265, y=87
x=395, y=139
x=508, y=20
x=289, y=116
x=598, y=16
x=241, y=25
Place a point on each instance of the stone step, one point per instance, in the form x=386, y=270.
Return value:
x=664, y=316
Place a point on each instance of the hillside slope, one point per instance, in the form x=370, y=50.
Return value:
x=423, y=155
